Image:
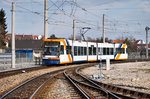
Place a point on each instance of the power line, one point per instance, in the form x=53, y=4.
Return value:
x=76, y=4
x=71, y=16
x=40, y=14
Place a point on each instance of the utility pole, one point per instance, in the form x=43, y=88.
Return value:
x=45, y=19
x=13, y=35
x=147, y=28
x=74, y=36
x=73, y=40
x=103, y=25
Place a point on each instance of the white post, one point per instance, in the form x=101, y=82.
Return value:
x=74, y=35
x=147, y=28
x=73, y=39
x=13, y=35
x=45, y=20
x=107, y=63
x=103, y=25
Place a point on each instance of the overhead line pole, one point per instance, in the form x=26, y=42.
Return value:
x=74, y=35
x=73, y=39
x=147, y=28
x=103, y=25
x=45, y=19
x=13, y=35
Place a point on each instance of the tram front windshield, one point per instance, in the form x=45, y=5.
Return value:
x=52, y=50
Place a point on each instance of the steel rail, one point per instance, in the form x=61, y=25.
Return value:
x=24, y=83
x=124, y=91
x=110, y=94
x=19, y=71
x=39, y=88
x=20, y=85
x=81, y=91
x=97, y=88
x=3, y=96
x=90, y=86
x=121, y=92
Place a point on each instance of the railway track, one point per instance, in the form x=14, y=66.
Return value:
x=88, y=89
x=120, y=92
x=29, y=88
x=19, y=71
x=47, y=90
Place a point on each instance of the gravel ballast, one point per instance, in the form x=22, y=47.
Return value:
x=10, y=82
x=134, y=75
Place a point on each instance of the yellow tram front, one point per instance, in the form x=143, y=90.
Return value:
x=52, y=50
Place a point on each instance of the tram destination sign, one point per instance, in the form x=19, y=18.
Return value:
x=52, y=43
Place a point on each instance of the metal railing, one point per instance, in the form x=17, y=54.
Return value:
x=21, y=59
x=5, y=58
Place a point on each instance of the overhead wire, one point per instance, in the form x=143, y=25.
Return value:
x=40, y=14
x=109, y=21
x=125, y=26
x=73, y=17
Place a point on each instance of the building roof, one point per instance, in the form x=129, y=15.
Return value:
x=25, y=37
x=143, y=45
x=118, y=41
x=140, y=42
x=137, y=41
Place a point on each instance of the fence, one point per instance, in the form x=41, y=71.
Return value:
x=21, y=59
x=5, y=58
x=23, y=56
x=136, y=55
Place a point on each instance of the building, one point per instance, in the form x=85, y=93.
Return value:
x=29, y=46
x=22, y=37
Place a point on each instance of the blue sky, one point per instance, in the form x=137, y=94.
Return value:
x=123, y=18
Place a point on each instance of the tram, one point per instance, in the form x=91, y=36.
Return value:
x=64, y=51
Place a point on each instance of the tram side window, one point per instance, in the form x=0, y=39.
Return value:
x=104, y=51
x=99, y=50
x=90, y=50
x=62, y=49
x=85, y=50
x=107, y=51
x=120, y=50
x=123, y=51
x=75, y=51
x=68, y=49
x=82, y=51
x=94, y=50
x=79, y=50
x=111, y=51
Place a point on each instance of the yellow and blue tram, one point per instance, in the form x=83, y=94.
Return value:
x=63, y=51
